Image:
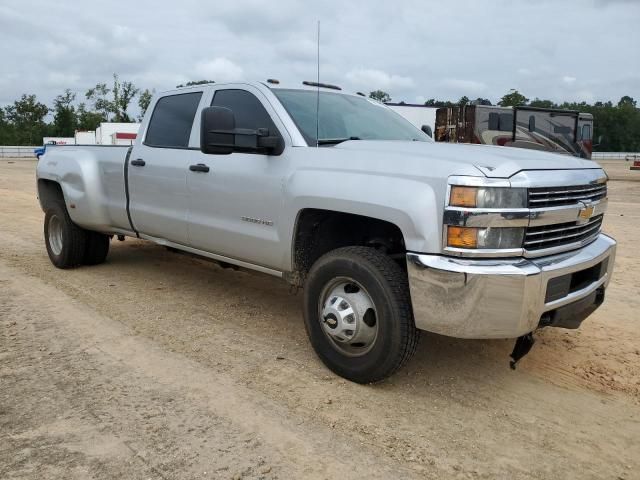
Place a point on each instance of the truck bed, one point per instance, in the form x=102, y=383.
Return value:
x=93, y=180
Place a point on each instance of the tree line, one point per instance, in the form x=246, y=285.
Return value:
x=616, y=126
x=24, y=121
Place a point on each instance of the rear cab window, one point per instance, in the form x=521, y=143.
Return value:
x=172, y=119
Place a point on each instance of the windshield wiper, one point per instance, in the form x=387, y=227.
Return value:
x=335, y=141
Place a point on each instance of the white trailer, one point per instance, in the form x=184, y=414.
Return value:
x=417, y=114
x=85, y=137
x=105, y=132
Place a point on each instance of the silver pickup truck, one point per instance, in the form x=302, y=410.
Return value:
x=387, y=232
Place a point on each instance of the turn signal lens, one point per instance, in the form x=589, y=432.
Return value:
x=462, y=237
x=463, y=196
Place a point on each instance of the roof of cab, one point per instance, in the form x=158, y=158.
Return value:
x=262, y=84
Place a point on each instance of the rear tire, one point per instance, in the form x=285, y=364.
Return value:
x=358, y=314
x=96, y=249
x=65, y=241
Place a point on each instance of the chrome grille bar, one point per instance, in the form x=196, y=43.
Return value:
x=552, y=197
x=549, y=236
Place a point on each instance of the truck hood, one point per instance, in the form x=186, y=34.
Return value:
x=492, y=161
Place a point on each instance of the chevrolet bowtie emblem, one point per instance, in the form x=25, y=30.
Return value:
x=585, y=213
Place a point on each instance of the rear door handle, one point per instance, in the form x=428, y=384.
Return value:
x=138, y=162
x=200, y=167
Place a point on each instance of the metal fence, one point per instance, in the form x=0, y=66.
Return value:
x=17, y=152
x=628, y=156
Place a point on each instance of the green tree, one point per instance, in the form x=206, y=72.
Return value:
x=432, y=102
x=112, y=103
x=144, y=99
x=536, y=102
x=380, y=96
x=195, y=82
x=6, y=130
x=88, y=119
x=27, y=117
x=98, y=97
x=482, y=101
x=123, y=93
x=464, y=100
x=64, y=118
x=626, y=102
x=513, y=99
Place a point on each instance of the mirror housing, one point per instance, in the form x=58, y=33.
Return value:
x=214, y=121
x=219, y=135
x=427, y=129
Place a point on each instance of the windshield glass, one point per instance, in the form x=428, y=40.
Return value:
x=345, y=117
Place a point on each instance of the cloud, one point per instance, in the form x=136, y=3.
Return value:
x=372, y=79
x=465, y=86
x=409, y=53
x=568, y=80
x=219, y=69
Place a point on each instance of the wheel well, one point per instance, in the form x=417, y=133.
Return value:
x=49, y=192
x=320, y=231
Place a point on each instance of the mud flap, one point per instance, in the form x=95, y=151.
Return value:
x=521, y=348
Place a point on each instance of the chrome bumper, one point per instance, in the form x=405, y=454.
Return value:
x=482, y=298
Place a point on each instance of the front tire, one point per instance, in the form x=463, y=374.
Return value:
x=65, y=241
x=358, y=314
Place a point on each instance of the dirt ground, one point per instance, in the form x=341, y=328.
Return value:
x=159, y=365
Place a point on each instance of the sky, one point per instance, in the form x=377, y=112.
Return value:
x=579, y=50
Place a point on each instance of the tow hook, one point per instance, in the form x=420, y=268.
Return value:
x=521, y=348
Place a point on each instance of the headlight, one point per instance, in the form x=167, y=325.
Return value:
x=488, y=197
x=489, y=238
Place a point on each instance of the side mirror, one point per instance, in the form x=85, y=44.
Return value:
x=219, y=135
x=217, y=125
x=427, y=129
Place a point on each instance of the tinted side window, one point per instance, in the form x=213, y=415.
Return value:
x=506, y=122
x=171, y=121
x=532, y=123
x=586, y=132
x=247, y=109
x=494, y=121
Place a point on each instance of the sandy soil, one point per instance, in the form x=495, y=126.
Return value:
x=159, y=365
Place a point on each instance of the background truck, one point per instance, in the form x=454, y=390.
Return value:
x=387, y=232
x=554, y=130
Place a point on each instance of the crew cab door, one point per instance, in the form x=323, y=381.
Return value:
x=158, y=167
x=234, y=206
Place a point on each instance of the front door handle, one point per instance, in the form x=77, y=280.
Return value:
x=200, y=167
x=138, y=162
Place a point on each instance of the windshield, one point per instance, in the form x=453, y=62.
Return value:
x=345, y=117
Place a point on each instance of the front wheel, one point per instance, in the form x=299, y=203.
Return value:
x=358, y=314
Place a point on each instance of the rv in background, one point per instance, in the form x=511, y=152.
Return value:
x=560, y=131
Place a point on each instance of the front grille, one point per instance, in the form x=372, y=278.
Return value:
x=548, y=236
x=558, y=196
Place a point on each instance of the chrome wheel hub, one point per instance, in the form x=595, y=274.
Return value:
x=55, y=234
x=348, y=317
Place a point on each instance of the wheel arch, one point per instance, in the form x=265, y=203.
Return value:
x=318, y=231
x=49, y=191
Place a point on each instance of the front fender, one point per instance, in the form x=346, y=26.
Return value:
x=410, y=204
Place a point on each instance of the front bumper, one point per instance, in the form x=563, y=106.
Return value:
x=481, y=298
